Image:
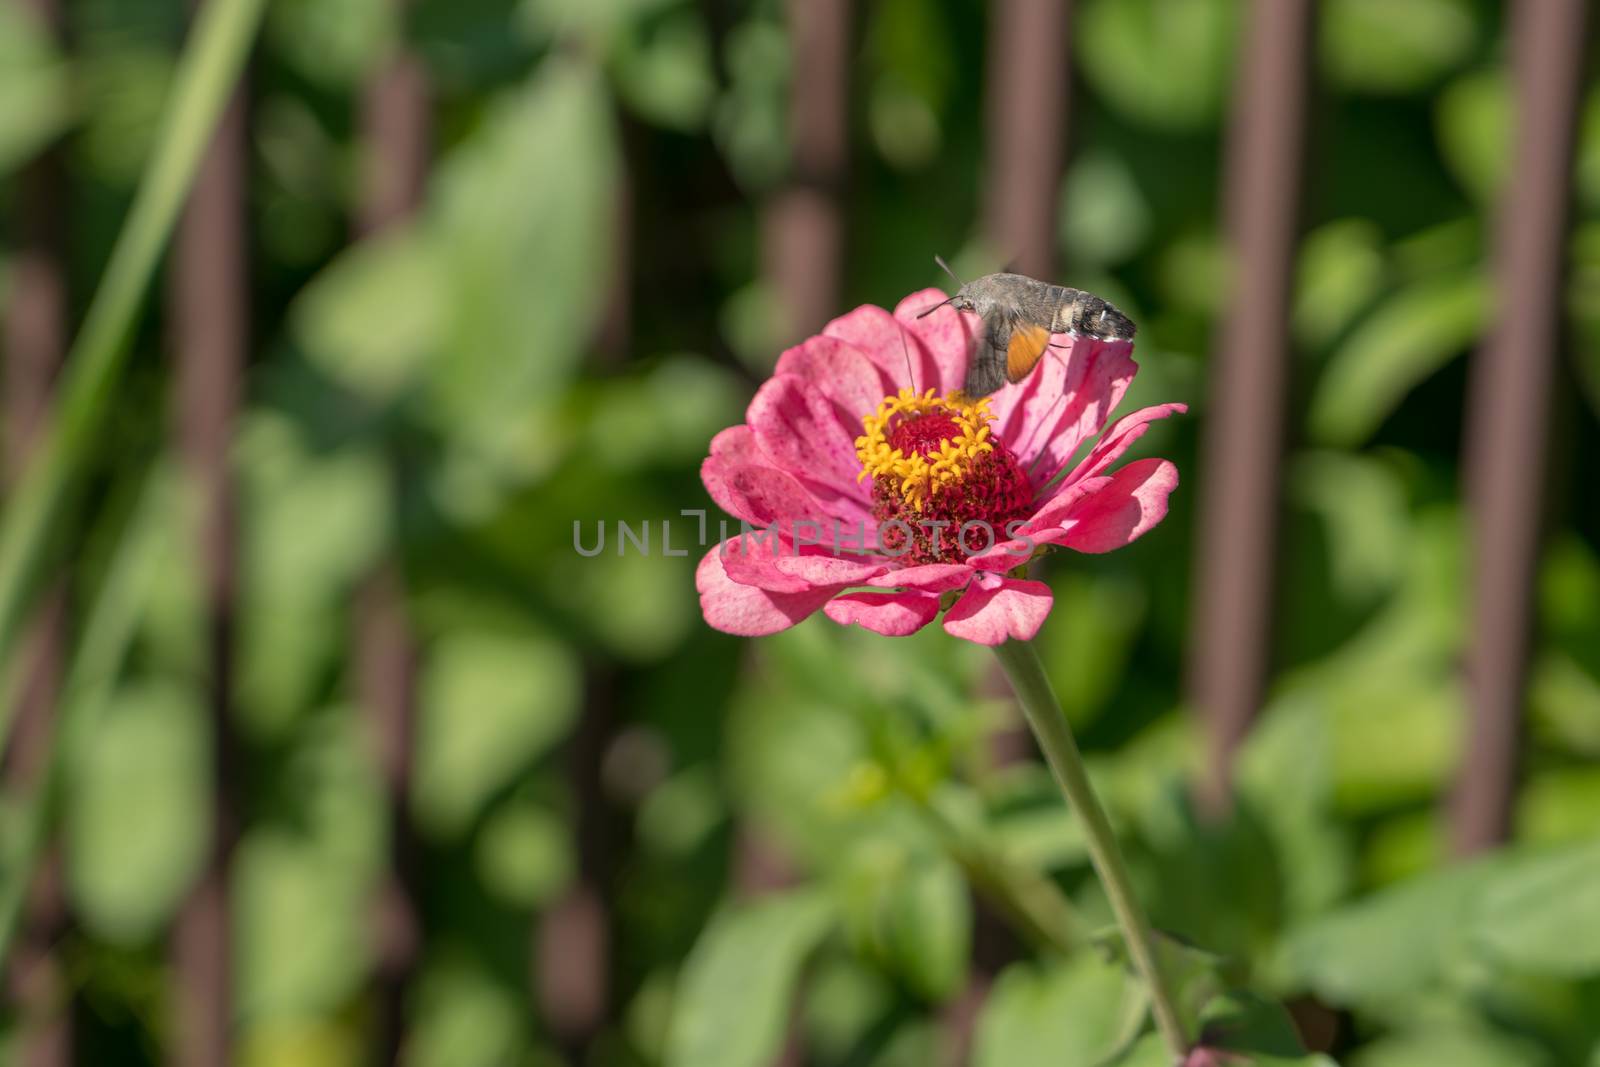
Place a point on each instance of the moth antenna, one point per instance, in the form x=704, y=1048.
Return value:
x=906, y=350
x=946, y=268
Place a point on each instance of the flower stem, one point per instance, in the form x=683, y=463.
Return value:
x=1026, y=674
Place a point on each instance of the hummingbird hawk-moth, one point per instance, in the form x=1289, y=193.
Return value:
x=1019, y=316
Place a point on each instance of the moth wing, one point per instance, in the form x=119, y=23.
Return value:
x=986, y=371
x=1023, y=350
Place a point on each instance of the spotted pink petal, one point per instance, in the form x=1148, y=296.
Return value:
x=947, y=335
x=995, y=609
x=890, y=344
x=759, y=495
x=795, y=424
x=840, y=372
x=929, y=577
x=1045, y=421
x=1123, y=511
x=746, y=610
x=890, y=614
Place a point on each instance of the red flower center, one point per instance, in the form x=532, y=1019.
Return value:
x=943, y=487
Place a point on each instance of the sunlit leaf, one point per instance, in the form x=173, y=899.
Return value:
x=1467, y=1046
x=1062, y=1015
x=335, y=42
x=375, y=316
x=1105, y=218
x=733, y=1000
x=464, y=1017
x=489, y=703
x=523, y=854
x=1164, y=64
x=33, y=85
x=1340, y=271
x=928, y=927
x=136, y=809
x=667, y=77
x=283, y=882
x=1408, y=338
x=1542, y=913
x=1399, y=942
x=1395, y=46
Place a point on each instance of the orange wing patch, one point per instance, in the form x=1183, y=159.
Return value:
x=1027, y=344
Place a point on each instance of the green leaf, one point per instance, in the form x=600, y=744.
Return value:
x=734, y=996
x=33, y=84
x=1395, y=46
x=1542, y=913
x=523, y=213
x=463, y=1017
x=1363, y=503
x=136, y=800
x=489, y=703
x=1405, y=340
x=1475, y=1046
x=1165, y=64
x=929, y=928
x=1061, y=1015
x=375, y=316
x=1473, y=119
x=1397, y=943
x=284, y=883
x=524, y=854
x=318, y=522
x=333, y=42
x=1340, y=272
x=668, y=77
x=1105, y=218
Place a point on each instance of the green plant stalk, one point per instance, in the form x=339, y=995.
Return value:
x=1031, y=901
x=207, y=72
x=1026, y=674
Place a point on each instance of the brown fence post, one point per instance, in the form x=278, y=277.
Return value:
x=35, y=344
x=396, y=130
x=209, y=314
x=1506, y=446
x=803, y=223
x=1026, y=109
x=1243, y=445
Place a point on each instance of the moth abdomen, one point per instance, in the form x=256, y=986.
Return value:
x=1092, y=316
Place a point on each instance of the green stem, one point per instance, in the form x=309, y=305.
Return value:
x=1032, y=902
x=207, y=73
x=1027, y=677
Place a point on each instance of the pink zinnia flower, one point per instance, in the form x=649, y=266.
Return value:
x=892, y=495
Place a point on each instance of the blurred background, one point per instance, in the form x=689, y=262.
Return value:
x=324, y=747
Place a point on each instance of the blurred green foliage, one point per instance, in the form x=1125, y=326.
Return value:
x=438, y=396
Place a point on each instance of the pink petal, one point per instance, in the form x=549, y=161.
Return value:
x=1119, y=438
x=746, y=610
x=1050, y=414
x=890, y=344
x=752, y=559
x=841, y=373
x=1058, y=510
x=1118, y=514
x=995, y=609
x=929, y=577
x=821, y=569
x=890, y=614
x=947, y=335
x=795, y=424
x=759, y=495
